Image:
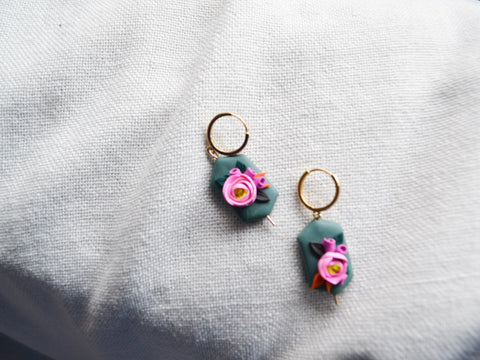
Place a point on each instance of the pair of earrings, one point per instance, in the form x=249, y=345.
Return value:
x=245, y=188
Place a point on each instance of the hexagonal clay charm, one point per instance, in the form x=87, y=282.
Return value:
x=325, y=255
x=244, y=187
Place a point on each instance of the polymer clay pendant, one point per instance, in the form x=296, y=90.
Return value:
x=239, y=181
x=325, y=253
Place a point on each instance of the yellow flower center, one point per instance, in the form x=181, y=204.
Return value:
x=239, y=193
x=333, y=269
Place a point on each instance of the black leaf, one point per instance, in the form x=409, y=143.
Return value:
x=241, y=166
x=262, y=197
x=317, y=249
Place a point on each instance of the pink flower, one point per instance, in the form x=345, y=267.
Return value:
x=332, y=267
x=239, y=189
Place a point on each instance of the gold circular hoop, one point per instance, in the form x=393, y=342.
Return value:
x=317, y=210
x=211, y=145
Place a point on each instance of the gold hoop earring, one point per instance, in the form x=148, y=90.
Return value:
x=242, y=185
x=325, y=253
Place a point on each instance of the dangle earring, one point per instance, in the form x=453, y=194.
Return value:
x=243, y=186
x=325, y=253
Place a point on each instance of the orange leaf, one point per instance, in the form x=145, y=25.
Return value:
x=260, y=174
x=317, y=281
x=328, y=286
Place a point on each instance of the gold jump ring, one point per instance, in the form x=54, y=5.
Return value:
x=317, y=210
x=211, y=143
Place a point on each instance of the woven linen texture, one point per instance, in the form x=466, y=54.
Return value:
x=114, y=246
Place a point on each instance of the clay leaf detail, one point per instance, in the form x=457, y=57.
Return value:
x=241, y=166
x=262, y=197
x=317, y=281
x=317, y=249
x=221, y=180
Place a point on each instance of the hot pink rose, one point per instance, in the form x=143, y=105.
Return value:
x=332, y=267
x=239, y=189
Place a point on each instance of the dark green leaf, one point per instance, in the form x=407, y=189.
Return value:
x=221, y=180
x=241, y=166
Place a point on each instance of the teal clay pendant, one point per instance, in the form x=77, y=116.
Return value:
x=241, y=184
x=325, y=253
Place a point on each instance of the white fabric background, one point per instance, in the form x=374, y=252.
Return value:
x=113, y=245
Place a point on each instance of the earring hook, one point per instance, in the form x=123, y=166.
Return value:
x=317, y=211
x=212, y=149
